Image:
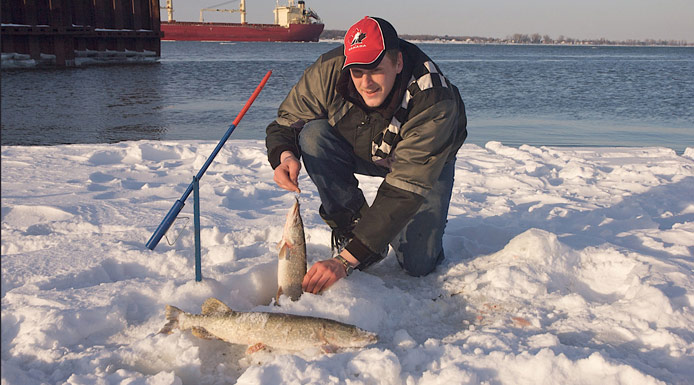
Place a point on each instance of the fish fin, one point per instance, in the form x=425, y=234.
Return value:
x=255, y=348
x=213, y=306
x=201, y=332
x=520, y=321
x=328, y=349
x=172, y=314
x=284, y=250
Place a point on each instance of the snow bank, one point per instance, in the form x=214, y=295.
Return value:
x=563, y=265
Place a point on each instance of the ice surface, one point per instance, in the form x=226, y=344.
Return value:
x=563, y=265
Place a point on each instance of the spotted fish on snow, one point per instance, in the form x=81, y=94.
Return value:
x=259, y=329
x=291, y=265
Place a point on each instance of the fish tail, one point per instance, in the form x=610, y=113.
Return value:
x=277, y=297
x=172, y=315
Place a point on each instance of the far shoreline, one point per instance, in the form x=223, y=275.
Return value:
x=522, y=39
x=442, y=41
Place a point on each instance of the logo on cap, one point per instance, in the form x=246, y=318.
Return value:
x=359, y=36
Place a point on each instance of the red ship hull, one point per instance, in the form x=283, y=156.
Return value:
x=192, y=31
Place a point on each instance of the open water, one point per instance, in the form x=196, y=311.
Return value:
x=537, y=95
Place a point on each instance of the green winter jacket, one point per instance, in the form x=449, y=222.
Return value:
x=419, y=128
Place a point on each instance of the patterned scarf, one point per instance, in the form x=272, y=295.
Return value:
x=425, y=77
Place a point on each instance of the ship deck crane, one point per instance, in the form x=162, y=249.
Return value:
x=241, y=10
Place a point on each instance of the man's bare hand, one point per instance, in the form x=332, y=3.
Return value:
x=322, y=275
x=287, y=173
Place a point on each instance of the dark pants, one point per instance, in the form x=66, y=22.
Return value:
x=331, y=163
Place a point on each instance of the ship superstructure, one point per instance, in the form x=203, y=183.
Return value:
x=293, y=22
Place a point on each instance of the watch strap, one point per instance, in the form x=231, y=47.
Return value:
x=348, y=266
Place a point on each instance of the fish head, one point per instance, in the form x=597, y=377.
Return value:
x=294, y=226
x=293, y=215
x=349, y=337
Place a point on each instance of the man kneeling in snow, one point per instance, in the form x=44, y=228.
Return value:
x=376, y=106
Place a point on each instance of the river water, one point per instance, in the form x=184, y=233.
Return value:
x=537, y=95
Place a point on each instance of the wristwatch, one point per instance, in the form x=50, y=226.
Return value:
x=348, y=266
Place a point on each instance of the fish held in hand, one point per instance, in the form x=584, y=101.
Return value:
x=259, y=329
x=291, y=266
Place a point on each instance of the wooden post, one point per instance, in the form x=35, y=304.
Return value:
x=56, y=23
x=155, y=20
x=119, y=21
x=101, y=22
x=31, y=12
x=137, y=23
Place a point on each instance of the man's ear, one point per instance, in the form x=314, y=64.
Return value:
x=400, y=63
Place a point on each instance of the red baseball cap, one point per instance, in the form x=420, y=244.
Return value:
x=367, y=41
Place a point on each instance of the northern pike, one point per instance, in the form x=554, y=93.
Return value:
x=291, y=266
x=259, y=329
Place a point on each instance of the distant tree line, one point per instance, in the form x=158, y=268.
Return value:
x=520, y=38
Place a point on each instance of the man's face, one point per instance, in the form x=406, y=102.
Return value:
x=375, y=84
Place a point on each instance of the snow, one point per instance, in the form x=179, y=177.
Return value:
x=563, y=265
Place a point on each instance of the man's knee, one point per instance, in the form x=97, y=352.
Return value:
x=314, y=135
x=420, y=265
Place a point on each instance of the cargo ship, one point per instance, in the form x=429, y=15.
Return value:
x=293, y=22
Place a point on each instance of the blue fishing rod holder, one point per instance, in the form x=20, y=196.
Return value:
x=194, y=188
x=196, y=221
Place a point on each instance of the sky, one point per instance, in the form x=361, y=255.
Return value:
x=589, y=19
